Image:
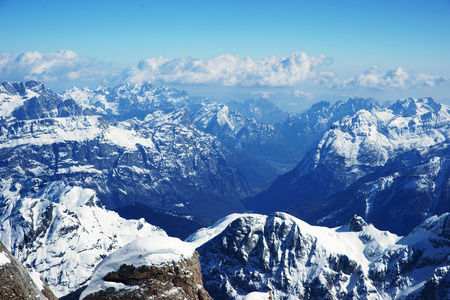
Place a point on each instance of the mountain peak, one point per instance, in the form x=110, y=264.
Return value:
x=35, y=86
x=413, y=106
x=22, y=88
x=357, y=223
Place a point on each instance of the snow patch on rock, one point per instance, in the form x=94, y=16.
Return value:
x=144, y=251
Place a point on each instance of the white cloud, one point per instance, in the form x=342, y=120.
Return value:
x=54, y=68
x=300, y=94
x=327, y=79
x=265, y=95
x=64, y=69
x=397, y=78
x=283, y=93
x=229, y=70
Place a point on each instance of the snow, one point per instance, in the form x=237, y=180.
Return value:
x=126, y=138
x=332, y=240
x=8, y=103
x=382, y=133
x=320, y=245
x=39, y=132
x=80, y=232
x=203, y=235
x=222, y=117
x=144, y=251
x=256, y=296
x=4, y=259
x=36, y=277
x=92, y=99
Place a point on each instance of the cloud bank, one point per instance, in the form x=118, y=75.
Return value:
x=230, y=70
x=397, y=78
x=67, y=69
x=50, y=67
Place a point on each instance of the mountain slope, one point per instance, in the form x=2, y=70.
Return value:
x=304, y=130
x=160, y=161
x=261, y=110
x=62, y=232
x=353, y=166
x=240, y=126
x=290, y=258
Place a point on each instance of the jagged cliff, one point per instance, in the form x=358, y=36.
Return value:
x=290, y=258
x=17, y=283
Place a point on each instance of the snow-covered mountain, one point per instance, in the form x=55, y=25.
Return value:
x=61, y=231
x=252, y=256
x=261, y=110
x=304, y=130
x=128, y=101
x=386, y=164
x=241, y=127
x=143, y=148
x=260, y=147
x=61, y=156
x=161, y=160
x=292, y=259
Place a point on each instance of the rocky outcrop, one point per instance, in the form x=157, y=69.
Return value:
x=357, y=224
x=175, y=280
x=277, y=253
x=149, y=268
x=16, y=282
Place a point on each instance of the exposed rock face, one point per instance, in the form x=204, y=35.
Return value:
x=175, y=280
x=149, y=268
x=276, y=253
x=436, y=287
x=16, y=282
x=290, y=258
x=357, y=224
x=304, y=130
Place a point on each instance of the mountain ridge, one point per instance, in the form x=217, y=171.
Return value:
x=342, y=170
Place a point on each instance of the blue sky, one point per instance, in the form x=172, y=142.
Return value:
x=381, y=49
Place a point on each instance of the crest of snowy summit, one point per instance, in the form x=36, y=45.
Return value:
x=252, y=256
x=289, y=258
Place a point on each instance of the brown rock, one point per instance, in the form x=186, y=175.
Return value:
x=16, y=283
x=176, y=280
